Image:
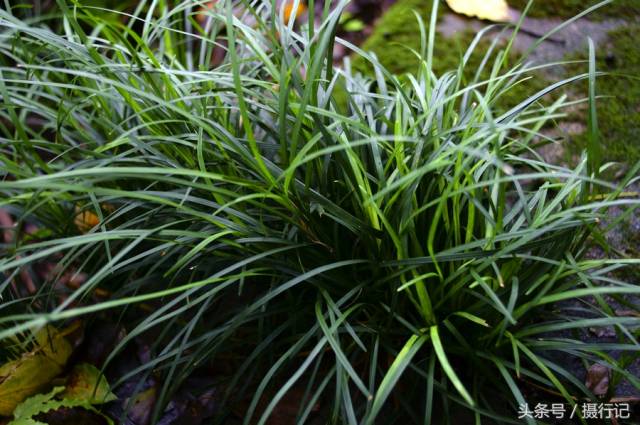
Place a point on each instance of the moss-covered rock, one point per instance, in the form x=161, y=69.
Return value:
x=395, y=34
x=396, y=39
x=567, y=8
x=619, y=107
x=398, y=32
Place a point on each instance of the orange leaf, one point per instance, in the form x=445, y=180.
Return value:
x=202, y=16
x=288, y=9
x=85, y=220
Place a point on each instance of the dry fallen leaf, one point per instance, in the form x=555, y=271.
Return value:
x=603, y=331
x=72, y=405
x=598, y=379
x=85, y=220
x=87, y=384
x=627, y=313
x=140, y=412
x=288, y=10
x=493, y=10
x=6, y=224
x=32, y=372
x=203, y=12
x=202, y=15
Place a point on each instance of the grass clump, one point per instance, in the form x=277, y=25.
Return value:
x=388, y=261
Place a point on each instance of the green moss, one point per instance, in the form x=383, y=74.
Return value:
x=619, y=115
x=619, y=109
x=568, y=8
x=398, y=31
x=629, y=246
x=397, y=35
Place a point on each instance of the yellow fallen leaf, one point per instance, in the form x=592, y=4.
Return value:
x=34, y=370
x=87, y=384
x=288, y=9
x=493, y=10
x=598, y=379
x=85, y=220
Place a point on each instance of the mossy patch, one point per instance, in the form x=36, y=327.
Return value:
x=396, y=39
x=568, y=8
x=398, y=32
x=619, y=107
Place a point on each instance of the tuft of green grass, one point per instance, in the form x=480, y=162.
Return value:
x=396, y=255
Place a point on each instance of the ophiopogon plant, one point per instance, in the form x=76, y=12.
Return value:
x=387, y=249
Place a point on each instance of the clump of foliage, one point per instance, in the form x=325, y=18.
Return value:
x=388, y=260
